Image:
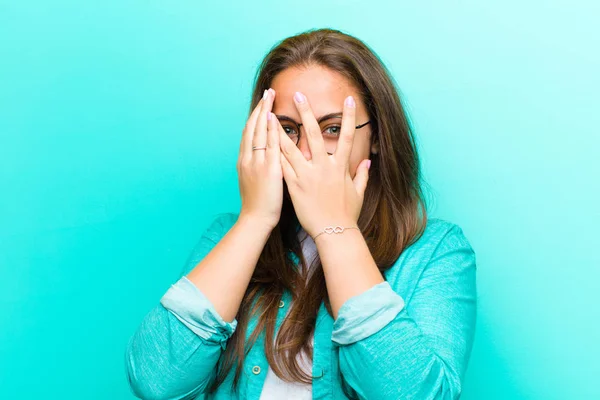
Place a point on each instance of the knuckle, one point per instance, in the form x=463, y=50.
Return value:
x=245, y=163
x=315, y=132
x=348, y=139
x=303, y=106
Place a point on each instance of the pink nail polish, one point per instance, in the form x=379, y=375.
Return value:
x=350, y=101
x=269, y=116
x=369, y=164
x=299, y=97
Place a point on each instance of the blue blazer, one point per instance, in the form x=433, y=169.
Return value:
x=409, y=337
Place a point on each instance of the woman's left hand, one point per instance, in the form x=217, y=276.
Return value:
x=322, y=189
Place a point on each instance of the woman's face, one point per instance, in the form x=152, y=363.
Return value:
x=326, y=91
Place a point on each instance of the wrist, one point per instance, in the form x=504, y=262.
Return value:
x=255, y=224
x=335, y=230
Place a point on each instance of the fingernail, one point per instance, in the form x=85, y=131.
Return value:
x=265, y=94
x=350, y=101
x=368, y=164
x=269, y=116
x=299, y=97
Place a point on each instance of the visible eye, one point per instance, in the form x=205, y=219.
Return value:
x=332, y=130
x=289, y=129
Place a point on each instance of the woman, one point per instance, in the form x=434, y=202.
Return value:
x=331, y=282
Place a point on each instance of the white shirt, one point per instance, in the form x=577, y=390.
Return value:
x=275, y=388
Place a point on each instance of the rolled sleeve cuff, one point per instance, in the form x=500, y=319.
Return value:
x=190, y=306
x=365, y=314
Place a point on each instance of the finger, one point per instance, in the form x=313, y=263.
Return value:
x=291, y=152
x=273, y=153
x=248, y=133
x=260, y=133
x=346, y=139
x=288, y=171
x=286, y=168
x=311, y=126
x=361, y=178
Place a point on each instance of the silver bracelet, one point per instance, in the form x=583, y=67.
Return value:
x=334, y=229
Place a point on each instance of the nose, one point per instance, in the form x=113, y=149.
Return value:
x=304, y=148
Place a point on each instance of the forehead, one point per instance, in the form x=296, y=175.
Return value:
x=324, y=88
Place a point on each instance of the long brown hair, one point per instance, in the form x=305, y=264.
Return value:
x=392, y=217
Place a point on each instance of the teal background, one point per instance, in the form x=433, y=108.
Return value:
x=119, y=129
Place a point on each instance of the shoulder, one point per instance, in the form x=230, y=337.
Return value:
x=443, y=243
x=438, y=233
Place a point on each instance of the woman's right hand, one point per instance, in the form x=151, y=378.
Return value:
x=259, y=171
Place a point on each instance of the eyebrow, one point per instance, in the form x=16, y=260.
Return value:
x=319, y=120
